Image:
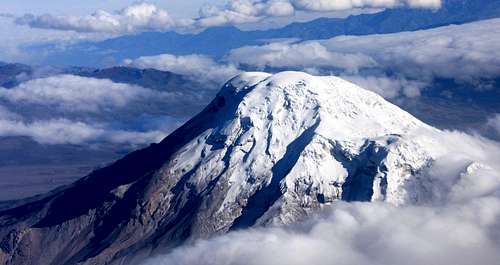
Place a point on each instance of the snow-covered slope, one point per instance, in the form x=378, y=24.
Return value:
x=268, y=149
x=286, y=143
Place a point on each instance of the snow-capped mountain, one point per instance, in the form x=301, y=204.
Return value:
x=269, y=149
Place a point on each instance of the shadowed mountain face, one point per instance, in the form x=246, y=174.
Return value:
x=269, y=149
x=208, y=42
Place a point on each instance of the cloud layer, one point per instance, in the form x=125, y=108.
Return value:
x=148, y=17
x=68, y=109
x=361, y=234
x=64, y=131
x=75, y=93
x=465, y=52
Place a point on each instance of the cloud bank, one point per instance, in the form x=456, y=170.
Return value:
x=75, y=93
x=68, y=109
x=361, y=234
x=64, y=131
x=460, y=226
x=148, y=17
x=466, y=52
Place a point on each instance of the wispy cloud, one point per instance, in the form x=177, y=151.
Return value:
x=64, y=131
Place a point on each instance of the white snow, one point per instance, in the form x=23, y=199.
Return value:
x=315, y=132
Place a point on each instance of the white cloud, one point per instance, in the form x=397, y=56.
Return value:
x=64, y=131
x=148, y=17
x=243, y=11
x=302, y=55
x=198, y=67
x=460, y=225
x=67, y=109
x=249, y=11
x=75, y=93
x=464, y=52
x=361, y=234
x=137, y=17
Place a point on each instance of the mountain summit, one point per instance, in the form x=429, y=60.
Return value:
x=269, y=149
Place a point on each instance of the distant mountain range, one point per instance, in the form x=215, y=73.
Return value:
x=209, y=42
